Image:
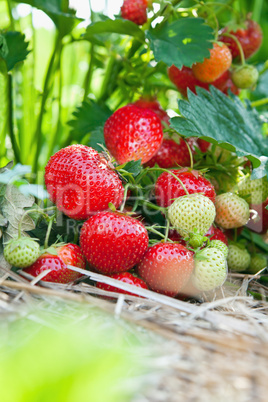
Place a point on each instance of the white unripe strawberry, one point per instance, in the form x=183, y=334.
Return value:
x=220, y=246
x=238, y=258
x=231, y=211
x=210, y=269
x=192, y=213
x=254, y=191
x=257, y=263
x=22, y=252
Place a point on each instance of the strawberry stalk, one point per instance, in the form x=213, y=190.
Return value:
x=238, y=44
x=172, y=174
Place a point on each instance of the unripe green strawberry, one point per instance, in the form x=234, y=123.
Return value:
x=238, y=258
x=192, y=213
x=231, y=211
x=220, y=246
x=22, y=252
x=210, y=269
x=245, y=76
x=254, y=191
x=257, y=263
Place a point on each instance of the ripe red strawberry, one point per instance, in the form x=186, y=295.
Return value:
x=80, y=182
x=211, y=69
x=171, y=154
x=125, y=277
x=249, y=36
x=203, y=145
x=153, y=104
x=167, y=188
x=260, y=223
x=133, y=133
x=135, y=11
x=69, y=254
x=184, y=79
x=215, y=233
x=113, y=242
x=166, y=268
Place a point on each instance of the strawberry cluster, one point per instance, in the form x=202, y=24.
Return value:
x=234, y=46
x=190, y=252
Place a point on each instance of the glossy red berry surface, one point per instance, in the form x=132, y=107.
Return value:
x=69, y=254
x=171, y=154
x=184, y=79
x=216, y=233
x=167, y=187
x=133, y=133
x=250, y=37
x=113, y=242
x=125, y=277
x=166, y=268
x=135, y=11
x=80, y=182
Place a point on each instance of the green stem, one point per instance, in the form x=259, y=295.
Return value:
x=11, y=119
x=260, y=102
x=258, y=6
x=11, y=19
x=48, y=232
x=46, y=90
x=106, y=83
x=238, y=44
x=89, y=75
x=125, y=198
x=167, y=230
x=191, y=154
x=153, y=206
x=30, y=211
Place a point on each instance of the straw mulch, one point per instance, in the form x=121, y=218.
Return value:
x=214, y=348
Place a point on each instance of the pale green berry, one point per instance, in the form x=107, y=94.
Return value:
x=210, y=269
x=254, y=191
x=238, y=258
x=231, y=211
x=21, y=253
x=220, y=246
x=245, y=76
x=192, y=213
x=257, y=263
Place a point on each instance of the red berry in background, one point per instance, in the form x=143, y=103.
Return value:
x=203, y=145
x=153, y=104
x=80, y=182
x=260, y=223
x=225, y=83
x=125, y=277
x=69, y=254
x=215, y=233
x=250, y=37
x=184, y=79
x=171, y=154
x=166, y=268
x=113, y=242
x=133, y=133
x=167, y=188
x=211, y=69
x=135, y=11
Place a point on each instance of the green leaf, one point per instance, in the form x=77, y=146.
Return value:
x=17, y=49
x=97, y=139
x=59, y=11
x=8, y=176
x=224, y=121
x=13, y=205
x=119, y=26
x=183, y=42
x=89, y=118
x=133, y=167
x=3, y=47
